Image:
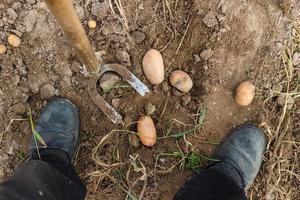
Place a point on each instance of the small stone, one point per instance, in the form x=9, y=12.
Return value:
x=115, y=103
x=162, y=160
x=80, y=11
x=283, y=98
x=20, y=109
x=138, y=36
x=185, y=100
x=12, y=13
x=108, y=80
x=134, y=140
x=47, y=91
x=210, y=20
x=196, y=58
x=177, y=105
x=165, y=86
x=92, y=24
x=100, y=9
x=296, y=58
x=2, y=49
x=149, y=108
x=123, y=57
x=206, y=54
x=14, y=40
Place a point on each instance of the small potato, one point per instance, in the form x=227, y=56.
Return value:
x=181, y=81
x=92, y=24
x=14, y=40
x=147, y=131
x=153, y=66
x=244, y=93
x=2, y=49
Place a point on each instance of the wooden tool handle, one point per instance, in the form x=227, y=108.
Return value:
x=67, y=18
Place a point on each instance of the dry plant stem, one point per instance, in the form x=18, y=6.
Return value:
x=8, y=127
x=185, y=32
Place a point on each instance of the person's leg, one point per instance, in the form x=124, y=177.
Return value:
x=49, y=173
x=240, y=157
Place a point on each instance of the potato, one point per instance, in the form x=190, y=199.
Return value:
x=181, y=81
x=146, y=131
x=2, y=49
x=92, y=24
x=153, y=66
x=14, y=40
x=244, y=93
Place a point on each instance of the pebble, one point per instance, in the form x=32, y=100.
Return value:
x=47, y=91
x=108, y=80
x=80, y=11
x=2, y=49
x=162, y=160
x=282, y=98
x=296, y=58
x=149, y=108
x=123, y=57
x=134, y=140
x=115, y=103
x=206, y=54
x=14, y=40
x=138, y=36
x=100, y=9
x=196, y=58
x=185, y=100
x=92, y=24
x=210, y=20
x=177, y=105
x=20, y=109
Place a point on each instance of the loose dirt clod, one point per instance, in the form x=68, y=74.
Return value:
x=100, y=9
x=20, y=109
x=206, y=54
x=283, y=99
x=210, y=20
x=123, y=57
x=47, y=91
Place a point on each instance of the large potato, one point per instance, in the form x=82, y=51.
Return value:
x=181, y=81
x=153, y=66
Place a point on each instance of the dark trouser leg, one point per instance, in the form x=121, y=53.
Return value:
x=52, y=177
x=212, y=184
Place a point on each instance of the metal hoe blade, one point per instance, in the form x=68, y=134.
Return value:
x=108, y=110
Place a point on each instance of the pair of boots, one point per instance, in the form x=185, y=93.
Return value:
x=240, y=157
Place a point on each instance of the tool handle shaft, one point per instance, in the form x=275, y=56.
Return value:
x=65, y=15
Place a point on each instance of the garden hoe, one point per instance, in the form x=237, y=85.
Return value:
x=67, y=18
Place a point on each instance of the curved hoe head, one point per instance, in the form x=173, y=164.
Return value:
x=108, y=110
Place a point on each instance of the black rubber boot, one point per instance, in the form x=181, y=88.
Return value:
x=241, y=155
x=58, y=125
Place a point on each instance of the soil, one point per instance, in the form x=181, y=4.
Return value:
x=218, y=43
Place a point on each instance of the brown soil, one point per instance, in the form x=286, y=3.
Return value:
x=245, y=39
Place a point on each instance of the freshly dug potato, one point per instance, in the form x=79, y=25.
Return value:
x=153, y=66
x=2, y=49
x=147, y=131
x=14, y=40
x=181, y=81
x=92, y=24
x=244, y=93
